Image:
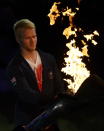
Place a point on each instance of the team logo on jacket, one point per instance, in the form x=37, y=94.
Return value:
x=50, y=75
x=13, y=81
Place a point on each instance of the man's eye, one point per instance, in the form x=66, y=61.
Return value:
x=27, y=37
x=34, y=36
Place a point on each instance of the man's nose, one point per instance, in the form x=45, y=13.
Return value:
x=32, y=40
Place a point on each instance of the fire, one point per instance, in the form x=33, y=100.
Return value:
x=68, y=32
x=54, y=13
x=90, y=37
x=74, y=67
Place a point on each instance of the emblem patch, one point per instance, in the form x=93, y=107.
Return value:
x=50, y=75
x=13, y=81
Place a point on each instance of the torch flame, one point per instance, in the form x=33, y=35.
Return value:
x=74, y=66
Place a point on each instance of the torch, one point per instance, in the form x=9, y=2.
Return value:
x=50, y=114
x=91, y=92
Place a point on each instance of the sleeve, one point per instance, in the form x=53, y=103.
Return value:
x=21, y=87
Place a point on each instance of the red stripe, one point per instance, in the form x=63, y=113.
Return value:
x=39, y=76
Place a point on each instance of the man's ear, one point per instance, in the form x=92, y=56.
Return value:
x=18, y=41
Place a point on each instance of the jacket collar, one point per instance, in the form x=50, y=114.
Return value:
x=26, y=66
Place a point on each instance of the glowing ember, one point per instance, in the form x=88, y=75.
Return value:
x=74, y=66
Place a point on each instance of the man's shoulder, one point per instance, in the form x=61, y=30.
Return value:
x=14, y=61
x=46, y=55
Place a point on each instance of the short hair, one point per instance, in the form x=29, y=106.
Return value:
x=22, y=24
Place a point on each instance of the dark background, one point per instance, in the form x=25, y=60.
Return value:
x=50, y=38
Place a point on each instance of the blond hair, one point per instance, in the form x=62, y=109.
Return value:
x=22, y=24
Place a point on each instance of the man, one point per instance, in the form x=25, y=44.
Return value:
x=33, y=73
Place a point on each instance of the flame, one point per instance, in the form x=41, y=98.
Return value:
x=91, y=36
x=54, y=13
x=68, y=32
x=74, y=67
x=69, y=12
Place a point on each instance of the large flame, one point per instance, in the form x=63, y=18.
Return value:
x=74, y=67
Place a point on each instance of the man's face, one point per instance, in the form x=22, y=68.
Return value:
x=28, y=39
